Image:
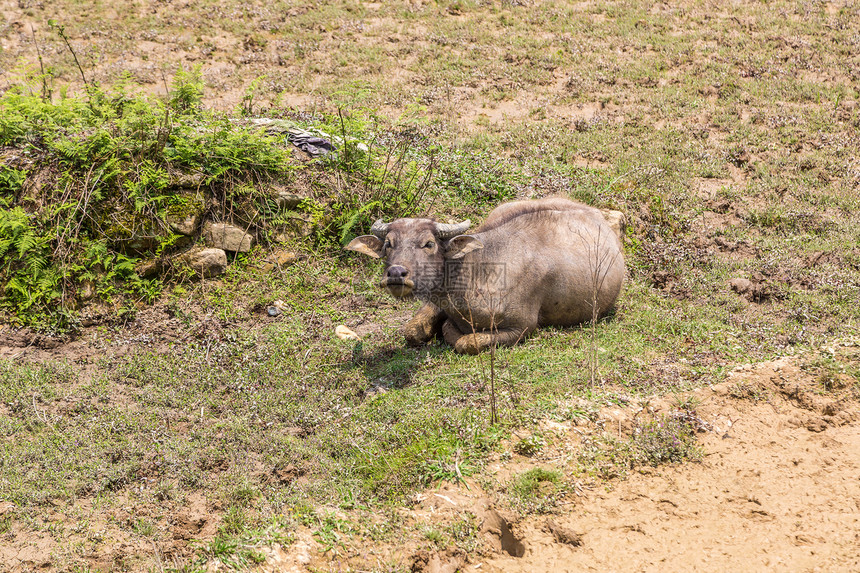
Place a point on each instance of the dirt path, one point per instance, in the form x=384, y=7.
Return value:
x=777, y=491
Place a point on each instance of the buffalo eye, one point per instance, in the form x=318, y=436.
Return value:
x=429, y=245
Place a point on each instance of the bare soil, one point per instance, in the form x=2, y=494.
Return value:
x=777, y=490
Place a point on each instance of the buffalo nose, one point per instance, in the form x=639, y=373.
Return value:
x=397, y=272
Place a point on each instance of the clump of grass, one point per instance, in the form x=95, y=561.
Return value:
x=530, y=446
x=744, y=390
x=238, y=543
x=435, y=536
x=536, y=490
x=668, y=439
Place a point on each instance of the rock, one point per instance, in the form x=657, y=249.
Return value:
x=88, y=290
x=816, y=424
x=742, y=286
x=617, y=222
x=187, y=180
x=286, y=200
x=279, y=258
x=148, y=269
x=344, y=333
x=296, y=227
x=277, y=308
x=449, y=561
x=186, y=225
x=227, y=237
x=834, y=408
x=287, y=474
x=6, y=507
x=205, y=262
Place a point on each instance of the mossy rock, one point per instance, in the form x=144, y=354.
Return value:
x=185, y=212
x=131, y=232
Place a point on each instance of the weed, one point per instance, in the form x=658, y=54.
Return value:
x=144, y=527
x=530, y=446
x=744, y=390
x=435, y=536
x=239, y=546
x=666, y=439
x=330, y=532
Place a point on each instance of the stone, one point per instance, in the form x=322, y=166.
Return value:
x=815, y=424
x=563, y=534
x=187, y=180
x=286, y=200
x=87, y=291
x=205, y=262
x=295, y=227
x=741, y=286
x=148, y=268
x=184, y=225
x=6, y=507
x=227, y=237
x=282, y=257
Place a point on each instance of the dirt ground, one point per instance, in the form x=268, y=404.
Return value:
x=777, y=490
x=778, y=486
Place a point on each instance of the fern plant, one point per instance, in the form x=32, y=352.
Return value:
x=25, y=252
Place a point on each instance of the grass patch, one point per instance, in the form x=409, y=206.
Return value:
x=730, y=147
x=535, y=491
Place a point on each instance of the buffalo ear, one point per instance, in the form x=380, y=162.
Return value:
x=370, y=245
x=462, y=244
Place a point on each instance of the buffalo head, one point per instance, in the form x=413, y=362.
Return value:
x=415, y=251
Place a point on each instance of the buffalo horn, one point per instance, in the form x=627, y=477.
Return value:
x=379, y=229
x=447, y=231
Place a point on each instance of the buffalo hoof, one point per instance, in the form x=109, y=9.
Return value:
x=417, y=334
x=422, y=327
x=471, y=344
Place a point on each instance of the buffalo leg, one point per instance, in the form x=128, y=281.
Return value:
x=476, y=342
x=424, y=325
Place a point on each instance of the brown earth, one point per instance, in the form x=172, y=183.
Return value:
x=777, y=490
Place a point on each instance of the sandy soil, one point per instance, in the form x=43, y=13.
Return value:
x=778, y=490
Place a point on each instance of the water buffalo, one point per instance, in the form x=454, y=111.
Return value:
x=532, y=263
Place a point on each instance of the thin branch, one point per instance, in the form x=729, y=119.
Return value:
x=61, y=30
